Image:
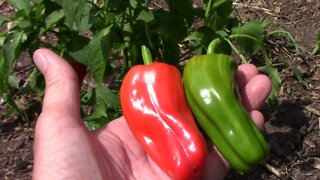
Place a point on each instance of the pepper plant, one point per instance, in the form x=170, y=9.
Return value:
x=316, y=50
x=101, y=33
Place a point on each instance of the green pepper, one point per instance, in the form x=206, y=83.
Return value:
x=213, y=97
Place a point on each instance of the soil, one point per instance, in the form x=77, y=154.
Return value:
x=291, y=128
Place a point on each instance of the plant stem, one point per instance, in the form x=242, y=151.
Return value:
x=245, y=36
x=146, y=3
x=148, y=35
x=237, y=51
x=62, y=53
x=146, y=27
x=263, y=68
x=126, y=63
x=146, y=55
x=208, y=8
x=213, y=5
x=286, y=33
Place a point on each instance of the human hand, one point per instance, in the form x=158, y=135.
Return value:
x=64, y=148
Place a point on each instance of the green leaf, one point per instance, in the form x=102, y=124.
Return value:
x=14, y=107
x=316, y=50
x=145, y=16
x=4, y=90
x=20, y=4
x=171, y=52
x=233, y=22
x=3, y=19
x=99, y=54
x=80, y=14
x=134, y=58
x=38, y=1
x=20, y=14
x=14, y=81
x=134, y=3
x=24, y=25
x=197, y=49
x=4, y=75
x=57, y=1
x=99, y=117
x=249, y=36
x=36, y=82
x=88, y=97
x=38, y=14
x=51, y=20
x=71, y=9
x=116, y=5
x=11, y=49
x=183, y=8
x=217, y=13
x=51, y=6
x=92, y=125
x=275, y=80
x=109, y=98
x=107, y=106
x=298, y=74
x=170, y=26
x=204, y=35
x=79, y=49
x=32, y=79
x=2, y=39
x=94, y=54
x=222, y=34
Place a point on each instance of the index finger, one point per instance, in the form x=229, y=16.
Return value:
x=244, y=73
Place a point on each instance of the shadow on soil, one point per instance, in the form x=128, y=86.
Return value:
x=284, y=129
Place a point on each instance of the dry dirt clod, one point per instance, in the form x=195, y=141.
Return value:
x=274, y=170
x=316, y=163
x=310, y=143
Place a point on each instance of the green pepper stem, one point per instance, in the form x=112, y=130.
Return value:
x=146, y=55
x=211, y=47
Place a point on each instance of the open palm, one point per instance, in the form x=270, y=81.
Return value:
x=65, y=149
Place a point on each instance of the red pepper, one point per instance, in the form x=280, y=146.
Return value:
x=155, y=108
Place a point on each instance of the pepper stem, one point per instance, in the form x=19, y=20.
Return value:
x=146, y=55
x=212, y=46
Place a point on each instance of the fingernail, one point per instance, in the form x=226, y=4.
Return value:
x=40, y=59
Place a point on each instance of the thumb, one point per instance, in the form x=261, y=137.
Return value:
x=62, y=87
x=59, y=133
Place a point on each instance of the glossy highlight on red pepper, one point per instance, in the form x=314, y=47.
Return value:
x=155, y=108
